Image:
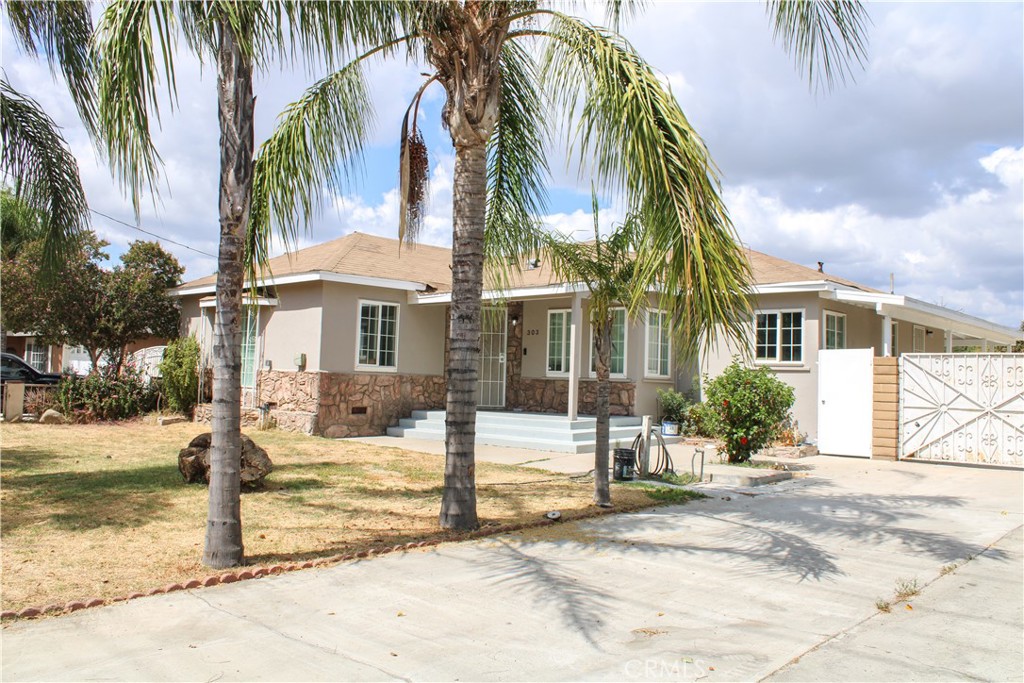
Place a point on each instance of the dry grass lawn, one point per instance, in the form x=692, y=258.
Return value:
x=101, y=510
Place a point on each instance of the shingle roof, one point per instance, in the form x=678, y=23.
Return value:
x=771, y=270
x=380, y=257
x=363, y=255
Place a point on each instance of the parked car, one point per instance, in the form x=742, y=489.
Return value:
x=15, y=369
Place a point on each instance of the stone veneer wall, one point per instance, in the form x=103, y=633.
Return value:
x=385, y=398
x=338, y=405
x=552, y=396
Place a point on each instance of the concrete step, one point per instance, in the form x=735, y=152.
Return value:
x=542, y=431
x=525, y=430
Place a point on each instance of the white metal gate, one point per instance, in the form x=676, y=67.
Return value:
x=962, y=407
x=845, y=383
x=493, y=343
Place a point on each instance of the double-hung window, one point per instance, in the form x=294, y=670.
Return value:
x=559, y=348
x=920, y=335
x=617, y=359
x=779, y=336
x=835, y=330
x=36, y=355
x=378, y=336
x=659, y=344
x=894, y=346
x=250, y=326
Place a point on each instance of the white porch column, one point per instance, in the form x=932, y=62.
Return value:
x=949, y=341
x=887, y=335
x=575, y=341
x=984, y=345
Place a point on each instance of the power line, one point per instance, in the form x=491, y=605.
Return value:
x=152, y=234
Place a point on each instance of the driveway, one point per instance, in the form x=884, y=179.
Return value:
x=776, y=582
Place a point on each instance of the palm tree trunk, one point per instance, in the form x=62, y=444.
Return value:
x=458, y=505
x=602, y=346
x=236, y=105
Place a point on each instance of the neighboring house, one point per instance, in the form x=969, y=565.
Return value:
x=69, y=359
x=346, y=337
x=42, y=357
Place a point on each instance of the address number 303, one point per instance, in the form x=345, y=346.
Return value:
x=532, y=333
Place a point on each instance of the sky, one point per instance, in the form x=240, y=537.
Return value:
x=914, y=167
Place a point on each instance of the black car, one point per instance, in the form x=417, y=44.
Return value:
x=16, y=370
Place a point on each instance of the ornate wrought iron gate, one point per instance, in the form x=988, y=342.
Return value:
x=962, y=407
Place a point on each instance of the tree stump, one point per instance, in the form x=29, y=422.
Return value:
x=194, y=462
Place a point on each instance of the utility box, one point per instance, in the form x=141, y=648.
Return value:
x=14, y=400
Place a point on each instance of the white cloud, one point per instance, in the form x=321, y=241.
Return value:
x=966, y=253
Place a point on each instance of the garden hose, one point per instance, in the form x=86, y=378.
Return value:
x=660, y=461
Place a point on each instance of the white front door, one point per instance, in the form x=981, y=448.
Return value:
x=845, y=386
x=493, y=343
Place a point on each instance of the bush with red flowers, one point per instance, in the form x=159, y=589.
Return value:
x=747, y=408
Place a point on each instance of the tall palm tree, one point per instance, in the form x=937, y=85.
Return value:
x=502, y=102
x=605, y=267
x=135, y=47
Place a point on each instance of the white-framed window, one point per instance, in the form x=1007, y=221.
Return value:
x=250, y=334
x=377, y=345
x=658, y=342
x=894, y=344
x=559, y=347
x=835, y=330
x=617, y=364
x=36, y=355
x=919, y=339
x=779, y=336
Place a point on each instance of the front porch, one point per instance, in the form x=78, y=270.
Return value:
x=535, y=431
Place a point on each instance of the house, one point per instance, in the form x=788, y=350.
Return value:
x=63, y=359
x=346, y=337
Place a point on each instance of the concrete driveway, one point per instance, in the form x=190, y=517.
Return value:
x=748, y=584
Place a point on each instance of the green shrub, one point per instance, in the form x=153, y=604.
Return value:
x=699, y=421
x=105, y=395
x=180, y=374
x=747, y=407
x=672, y=405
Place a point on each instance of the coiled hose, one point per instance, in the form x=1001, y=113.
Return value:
x=660, y=461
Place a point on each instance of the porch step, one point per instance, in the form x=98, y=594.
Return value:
x=523, y=430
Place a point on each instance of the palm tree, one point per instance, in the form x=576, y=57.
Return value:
x=502, y=101
x=35, y=157
x=605, y=266
x=134, y=49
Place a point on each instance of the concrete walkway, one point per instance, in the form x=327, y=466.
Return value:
x=776, y=581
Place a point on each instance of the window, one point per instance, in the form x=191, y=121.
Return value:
x=250, y=325
x=894, y=345
x=16, y=370
x=919, y=339
x=559, y=326
x=835, y=330
x=780, y=336
x=35, y=355
x=378, y=335
x=659, y=344
x=618, y=355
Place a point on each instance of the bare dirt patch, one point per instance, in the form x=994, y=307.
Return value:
x=102, y=511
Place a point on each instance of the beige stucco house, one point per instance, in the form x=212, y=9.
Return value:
x=346, y=337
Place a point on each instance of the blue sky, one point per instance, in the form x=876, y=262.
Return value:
x=915, y=168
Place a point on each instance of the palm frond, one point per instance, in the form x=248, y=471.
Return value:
x=62, y=32
x=413, y=172
x=317, y=145
x=129, y=34
x=825, y=37
x=44, y=172
x=517, y=168
x=641, y=143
